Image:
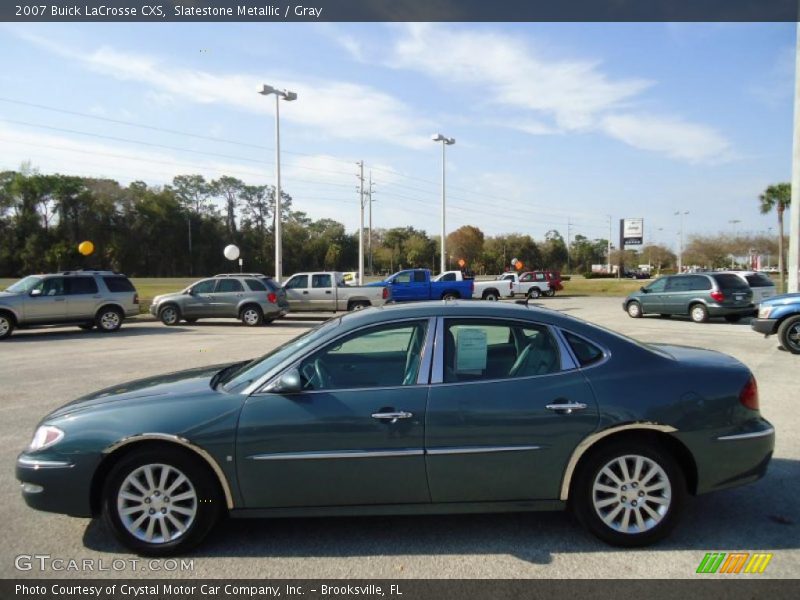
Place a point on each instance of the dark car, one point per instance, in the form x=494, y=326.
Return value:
x=699, y=295
x=410, y=409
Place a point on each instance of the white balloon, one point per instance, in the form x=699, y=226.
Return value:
x=231, y=252
x=514, y=261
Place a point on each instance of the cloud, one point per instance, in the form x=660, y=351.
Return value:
x=338, y=109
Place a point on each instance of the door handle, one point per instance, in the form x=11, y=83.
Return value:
x=305, y=292
x=328, y=292
x=392, y=417
x=566, y=407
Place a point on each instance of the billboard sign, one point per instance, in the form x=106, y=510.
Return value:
x=632, y=232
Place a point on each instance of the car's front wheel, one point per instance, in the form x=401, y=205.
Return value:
x=169, y=315
x=634, y=309
x=629, y=494
x=6, y=326
x=160, y=501
x=789, y=334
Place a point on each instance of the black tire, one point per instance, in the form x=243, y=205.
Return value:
x=109, y=319
x=7, y=325
x=450, y=296
x=491, y=295
x=208, y=500
x=698, y=313
x=733, y=318
x=534, y=293
x=550, y=293
x=789, y=334
x=358, y=305
x=251, y=315
x=86, y=326
x=583, y=496
x=634, y=310
x=170, y=315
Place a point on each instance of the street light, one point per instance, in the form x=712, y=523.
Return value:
x=680, y=239
x=288, y=96
x=446, y=141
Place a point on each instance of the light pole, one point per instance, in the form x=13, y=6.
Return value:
x=734, y=222
x=680, y=214
x=446, y=141
x=288, y=96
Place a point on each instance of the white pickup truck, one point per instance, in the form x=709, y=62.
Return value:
x=326, y=291
x=528, y=285
x=483, y=290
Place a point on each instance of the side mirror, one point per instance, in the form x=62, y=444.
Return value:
x=36, y=292
x=644, y=290
x=288, y=383
x=189, y=291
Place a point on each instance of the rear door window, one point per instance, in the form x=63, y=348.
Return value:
x=321, y=280
x=81, y=285
x=229, y=285
x=419, y=277
x=729, y=281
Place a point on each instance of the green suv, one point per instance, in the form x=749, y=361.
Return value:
x=84, y=298
x=699, y=295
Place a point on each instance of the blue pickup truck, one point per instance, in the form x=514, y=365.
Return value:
x=780, y=315
x=415, y=284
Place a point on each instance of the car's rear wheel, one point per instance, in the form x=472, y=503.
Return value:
x=358, y=305
x=491, y=296
x=534, y=293
x=789, y=334
x=733, y=318
x=169, y=315
x=449, y=296
x=160, y=501
x=698, y=313
x=6, y=325
x=108, y=319
x=634, y=309
x=629, y=493
x=252, y=316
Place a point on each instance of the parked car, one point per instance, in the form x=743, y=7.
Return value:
x=410, y=409
x=413, y=285
x=88, y=299
x=780, y=315
x=553, y=279
x=534, y=284
x=637, y=274
x=324, y=291
x=763, y=287
x=481, y=290
x=699, y=295
x=252, y=297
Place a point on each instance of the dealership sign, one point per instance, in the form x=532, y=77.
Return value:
x=632, y=232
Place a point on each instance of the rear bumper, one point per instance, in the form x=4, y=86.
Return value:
x=764, y=326
x=716, y=310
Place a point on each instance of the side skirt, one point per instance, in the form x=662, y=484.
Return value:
x=400, y=509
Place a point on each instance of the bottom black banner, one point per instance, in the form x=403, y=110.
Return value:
x=734, y=588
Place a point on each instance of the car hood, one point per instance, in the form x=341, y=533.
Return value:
x=180, y=383
x=9, y=295
x=699, y=357
x=782, y=299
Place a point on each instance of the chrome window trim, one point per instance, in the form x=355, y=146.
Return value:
x=35, y=463
x=259, y=388
x=325, y=455
x=595, y=437
x=747, y=436
x=477, y=449
x=176, y=439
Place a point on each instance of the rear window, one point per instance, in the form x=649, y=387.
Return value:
x=255, y=285
x=82, y=285
x=759, y=280
x=118, y=284
x=271, y=285
x=586, y=352
x=728, y=281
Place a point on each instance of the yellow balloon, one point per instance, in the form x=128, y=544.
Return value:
x=86, y=248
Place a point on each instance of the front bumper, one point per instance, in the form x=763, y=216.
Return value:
x=765, y=326
x=56, y=484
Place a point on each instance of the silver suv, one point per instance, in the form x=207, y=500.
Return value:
x=85, y=298
x=252, y=297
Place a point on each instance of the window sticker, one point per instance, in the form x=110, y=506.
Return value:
x=471, y=351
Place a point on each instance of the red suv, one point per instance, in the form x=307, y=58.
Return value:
x=553, y=279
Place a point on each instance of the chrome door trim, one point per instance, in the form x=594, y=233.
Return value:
x=338, y=454
x=595, y=437
x=746, y=436
x=176, y=439
x=477, y=449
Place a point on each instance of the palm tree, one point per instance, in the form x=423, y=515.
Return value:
x=777, y=197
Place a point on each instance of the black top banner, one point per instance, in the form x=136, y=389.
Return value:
x=399, y=10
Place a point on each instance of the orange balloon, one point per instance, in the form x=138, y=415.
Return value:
x=519, y=265
x=86, y=248
x=461, y=262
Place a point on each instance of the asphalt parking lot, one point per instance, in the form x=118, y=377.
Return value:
x=43, y=369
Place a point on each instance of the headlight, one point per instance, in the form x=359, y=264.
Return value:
x=45, y=436
x=763, y=312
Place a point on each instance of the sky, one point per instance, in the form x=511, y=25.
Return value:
x=557, y=126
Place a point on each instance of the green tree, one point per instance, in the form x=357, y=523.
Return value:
x=777, y=197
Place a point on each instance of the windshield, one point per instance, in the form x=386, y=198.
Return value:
x=24, y=285
x=238, y=379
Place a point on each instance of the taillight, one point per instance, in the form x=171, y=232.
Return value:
x=749, y=394
x=385, y=293
x=272, y=297
x=136, y=298
x=717, y=295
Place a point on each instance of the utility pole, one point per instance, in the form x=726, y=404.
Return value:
x=680, y=214
x=608, y=250
x=794, y=209
x=369, y=239
x=361, y=222
x=569, y=237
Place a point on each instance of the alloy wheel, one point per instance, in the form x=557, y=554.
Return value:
x=110, y=320
x=157, y=503
x=631, y=494
x=169, y=316
x=251, y=316
x=5, y=326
